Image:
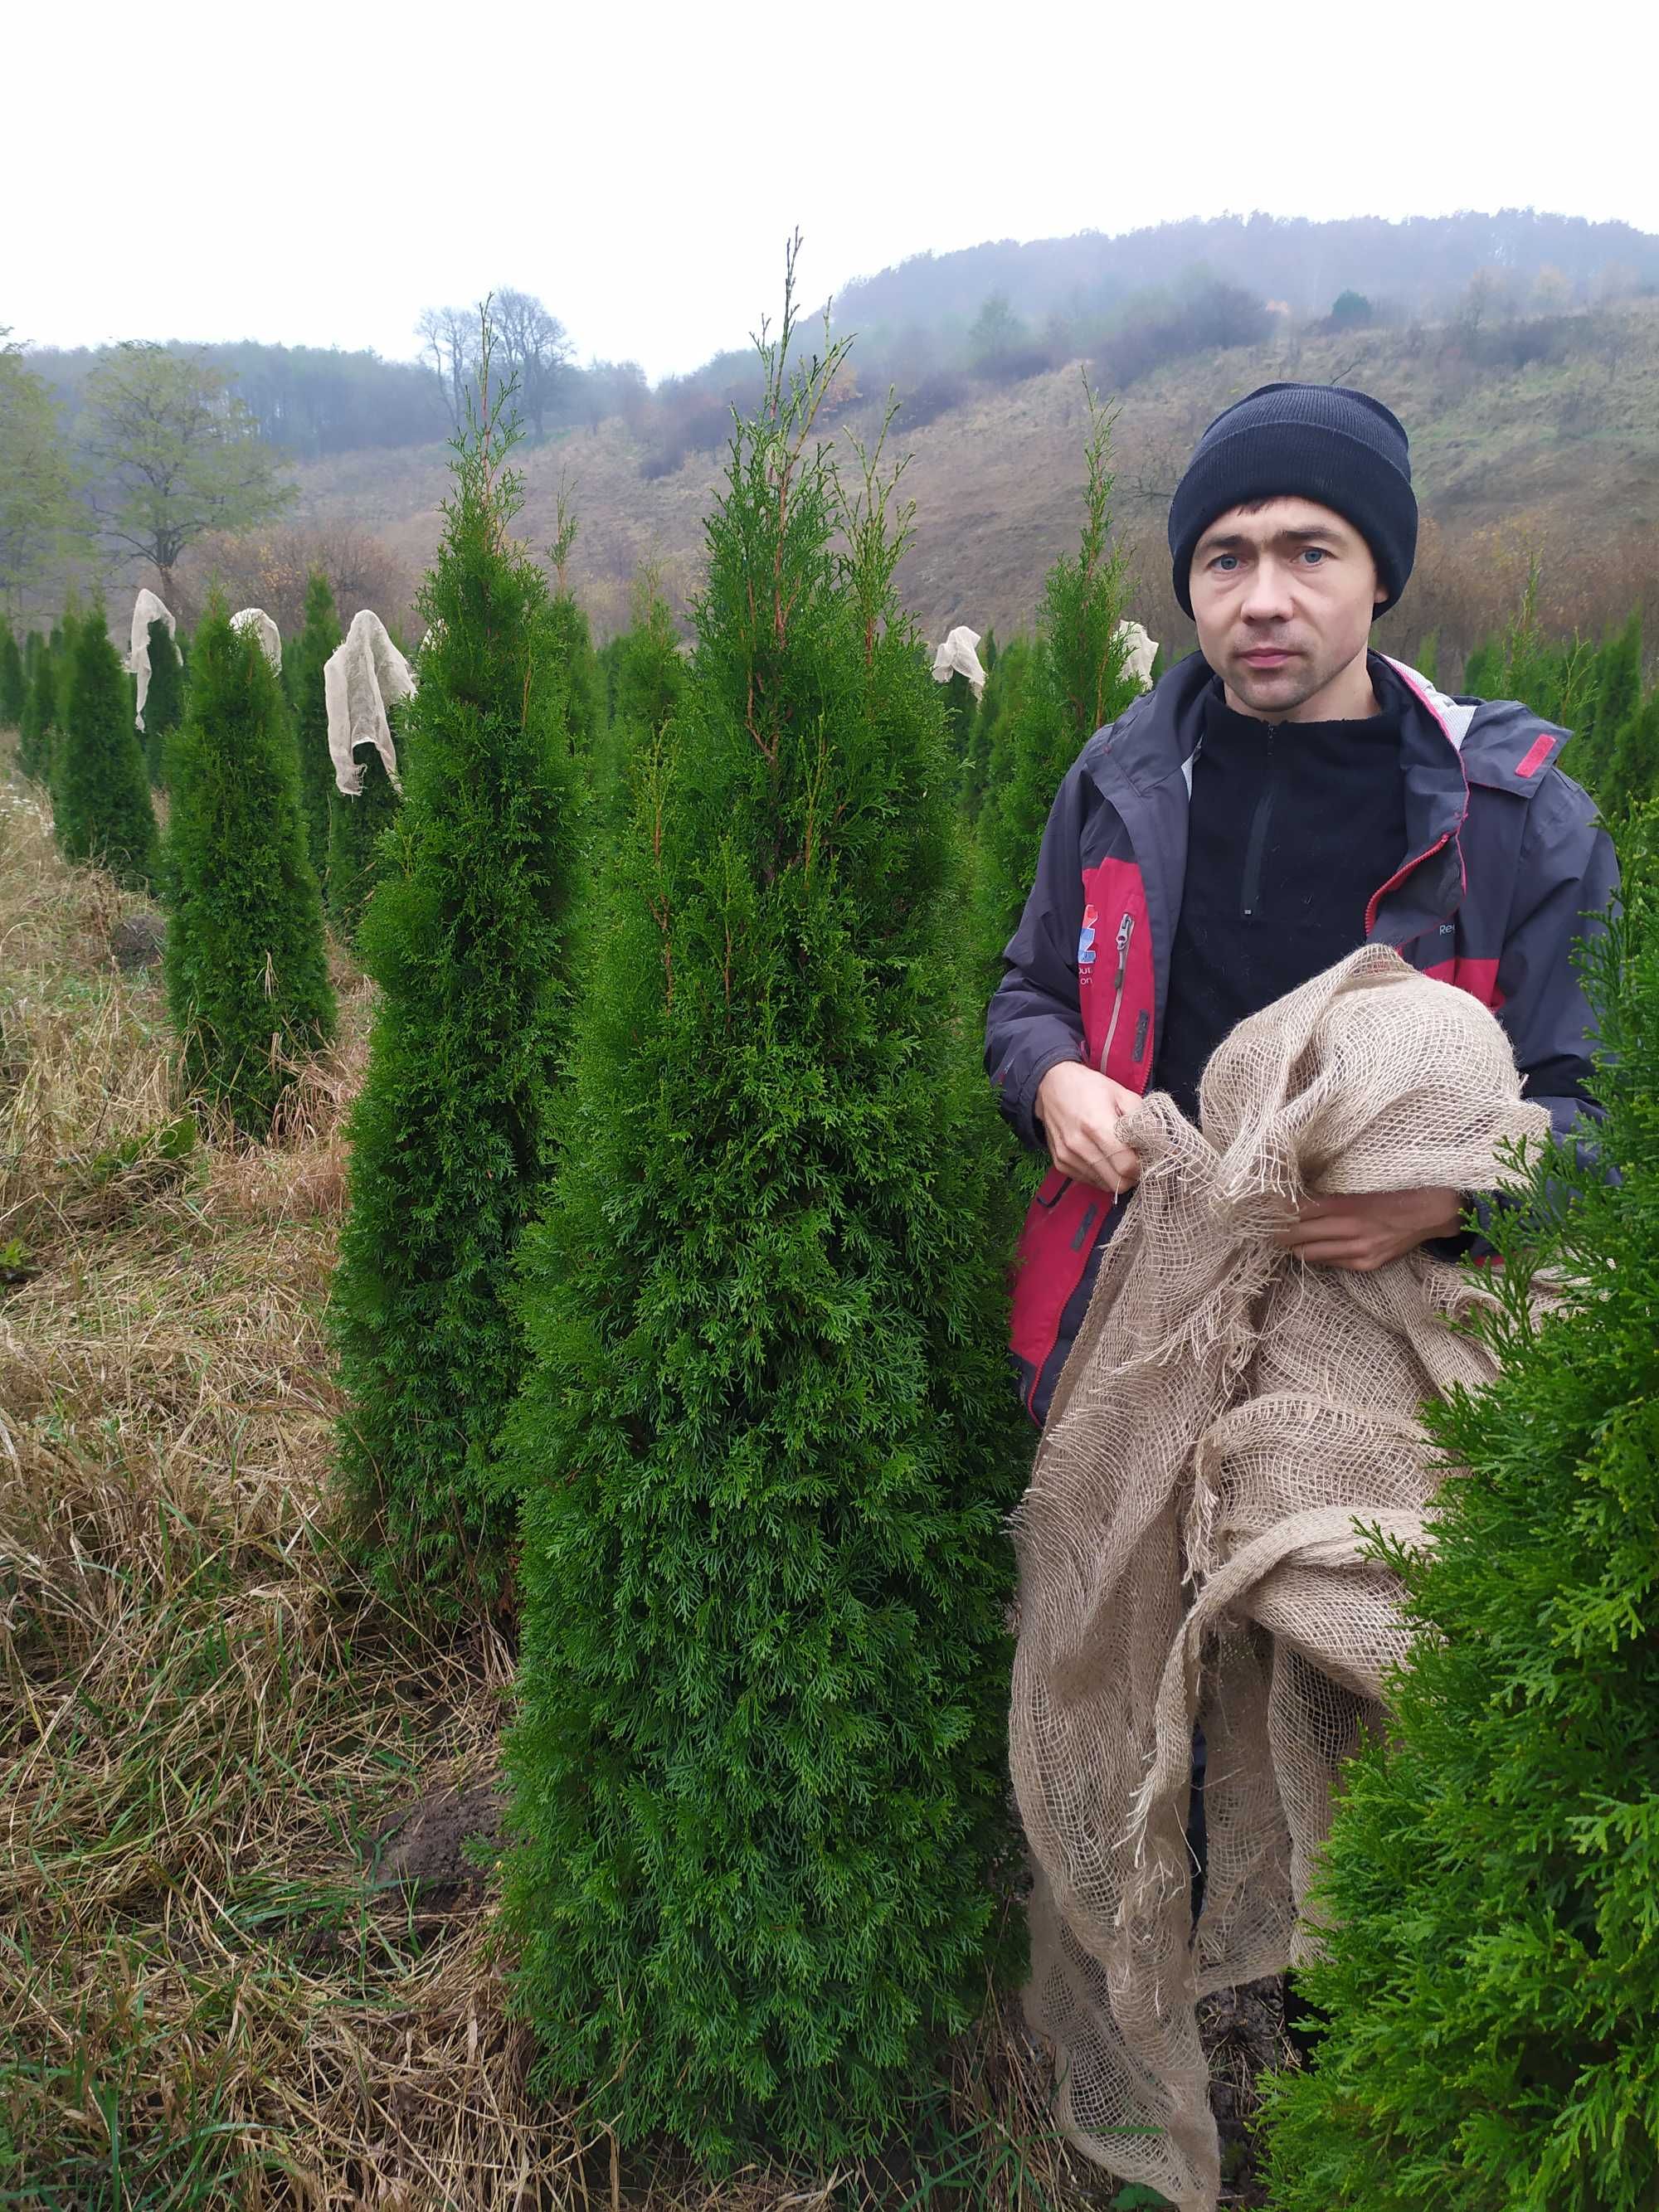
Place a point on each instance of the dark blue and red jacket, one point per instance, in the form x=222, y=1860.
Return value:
x=1505, y=859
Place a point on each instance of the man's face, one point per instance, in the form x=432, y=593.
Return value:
x=1284, y=595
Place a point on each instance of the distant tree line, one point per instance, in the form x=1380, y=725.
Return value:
x=1424, y=263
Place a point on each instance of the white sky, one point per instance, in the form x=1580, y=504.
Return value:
x=319, y=174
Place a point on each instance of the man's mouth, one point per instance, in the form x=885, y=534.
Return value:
x=1267, y=656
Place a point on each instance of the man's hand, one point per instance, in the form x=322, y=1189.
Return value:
x=1366, y=1231
x=1080, y=1111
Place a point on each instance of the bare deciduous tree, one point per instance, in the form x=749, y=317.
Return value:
x=534, y=351
x=449, y=342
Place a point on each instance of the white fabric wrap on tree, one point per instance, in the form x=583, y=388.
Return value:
x=1190, y=1550
x=270, y=637
x=146, y=609
x=1141, y=653
x=958, y=657
x=363, y=676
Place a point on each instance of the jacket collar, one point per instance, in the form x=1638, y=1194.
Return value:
x=1146, y=756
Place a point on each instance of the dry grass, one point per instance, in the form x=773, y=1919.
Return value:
x=211, y=1992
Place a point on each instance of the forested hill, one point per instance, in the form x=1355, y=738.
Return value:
x=1003, y=310
x=1540, y=434
x=1416, y=266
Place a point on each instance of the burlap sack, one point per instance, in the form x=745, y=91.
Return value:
x=363, y=676
x=146, y=609
x=270, y=637
x=1229, y=1420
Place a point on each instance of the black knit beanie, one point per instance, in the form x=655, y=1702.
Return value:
x=1318, y=442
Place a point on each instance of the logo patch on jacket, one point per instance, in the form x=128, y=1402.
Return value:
x=1086, y=944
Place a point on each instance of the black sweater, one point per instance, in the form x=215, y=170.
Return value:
x=1292, y=827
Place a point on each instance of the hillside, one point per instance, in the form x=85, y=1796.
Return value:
x=1419, y=265
x=1563, y=448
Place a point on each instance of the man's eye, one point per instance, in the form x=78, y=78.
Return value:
x=1224, y=562
x=1314, y=554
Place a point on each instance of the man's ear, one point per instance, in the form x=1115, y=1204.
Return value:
x=1378, y=596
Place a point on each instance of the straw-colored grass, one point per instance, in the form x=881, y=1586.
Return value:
x=211, y=1992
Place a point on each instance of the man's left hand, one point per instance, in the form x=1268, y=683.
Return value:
x=1367, y=1231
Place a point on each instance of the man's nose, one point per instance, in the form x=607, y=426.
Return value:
x=1269, y=596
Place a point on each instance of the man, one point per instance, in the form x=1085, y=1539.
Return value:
x=1278, y=798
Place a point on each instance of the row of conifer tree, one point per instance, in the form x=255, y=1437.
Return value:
x=671, y=1312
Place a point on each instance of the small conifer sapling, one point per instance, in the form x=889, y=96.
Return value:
x=100, y=784
x=302, y=667
x=13, y=690
x=164, y=702
x=246, y=963
x=1076, y=683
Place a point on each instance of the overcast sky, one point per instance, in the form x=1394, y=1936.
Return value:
x=318, y=174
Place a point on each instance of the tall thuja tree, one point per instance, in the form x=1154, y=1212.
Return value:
x=357, y=826
x=1632, y=774
x=987, y=765
x=1076, y=683
x=1613, y=695
x=650, y=676
x=164, y=702
x=466, y=936
x=764, y=1445
x=961, y=714
x=247, y=962
x=13, y=689
x=1490, y=1985
x=99, y=785
x=303, y=665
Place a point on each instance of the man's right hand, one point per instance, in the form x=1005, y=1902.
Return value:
x=1079, y=1109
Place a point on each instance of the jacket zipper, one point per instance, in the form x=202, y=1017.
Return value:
x=1255, y=849
x=1400, y=874
x=1126, y=930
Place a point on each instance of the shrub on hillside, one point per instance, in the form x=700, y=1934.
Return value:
x=450, y=1135
x=932, y=396
x=766, y=1442
x=1491, y=1987
x=246, y=965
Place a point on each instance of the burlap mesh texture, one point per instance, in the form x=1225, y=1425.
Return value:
x=146, y=609
x=1228, y=1423
x=363, y=676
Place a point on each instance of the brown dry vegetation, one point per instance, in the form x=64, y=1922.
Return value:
x=228, y=1975
x=1560, y=457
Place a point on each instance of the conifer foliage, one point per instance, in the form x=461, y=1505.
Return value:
x=164, y=702
x=35, y=727
x=1492, y=1980
x=303, y=665
x=465, y=935
x=99, y=781
x=647, y=674
x=766, y=1440
x=357, y=826
x=13, y=690
x=247, y=962
x=1074, y=683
